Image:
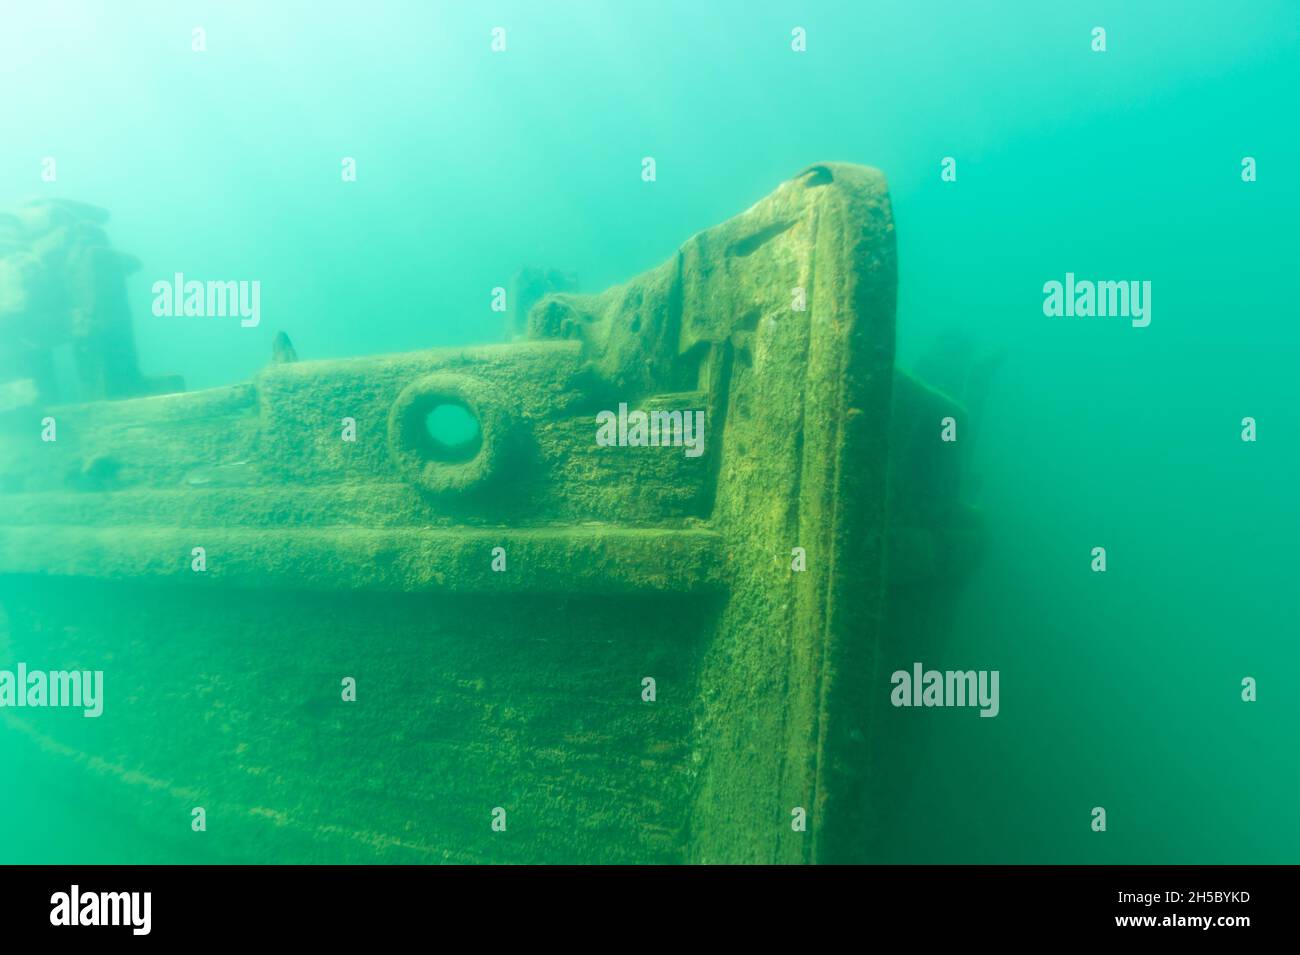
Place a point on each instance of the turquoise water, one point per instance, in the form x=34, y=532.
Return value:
x=1120, y=689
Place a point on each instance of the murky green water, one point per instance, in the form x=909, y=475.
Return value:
x=1121, y=689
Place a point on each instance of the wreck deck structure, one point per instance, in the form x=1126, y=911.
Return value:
x=500, y=608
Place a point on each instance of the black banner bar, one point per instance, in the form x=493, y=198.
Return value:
x=333, y=904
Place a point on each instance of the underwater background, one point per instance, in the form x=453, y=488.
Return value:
x=1121, y=689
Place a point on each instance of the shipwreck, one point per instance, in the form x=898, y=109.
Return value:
x=531, y=646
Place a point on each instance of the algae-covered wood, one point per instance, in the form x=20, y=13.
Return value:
x=563, y=649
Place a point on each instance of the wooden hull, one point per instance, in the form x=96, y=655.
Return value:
x=500, y=616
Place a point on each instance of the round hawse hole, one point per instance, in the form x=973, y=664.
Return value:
x=454, y=431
